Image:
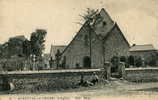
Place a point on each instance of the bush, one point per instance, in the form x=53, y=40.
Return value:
x=125, y=60
x=153, y=60
x=138, y=61
x=131, y=60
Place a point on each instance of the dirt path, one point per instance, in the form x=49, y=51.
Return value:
x=115, y=90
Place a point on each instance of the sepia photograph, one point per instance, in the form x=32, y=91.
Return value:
x=78, y=50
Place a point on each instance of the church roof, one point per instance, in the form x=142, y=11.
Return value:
x=115, y=26
x=100, y=29
x=147, y=47
x=105, y=25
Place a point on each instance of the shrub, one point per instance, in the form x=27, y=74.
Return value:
x=138, y=61
x=131, y=60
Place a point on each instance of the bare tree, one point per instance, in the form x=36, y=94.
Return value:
x=92, y=18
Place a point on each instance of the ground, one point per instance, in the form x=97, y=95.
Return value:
x=116, y=89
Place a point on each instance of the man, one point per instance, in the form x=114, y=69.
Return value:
x=95, y=78
x=85, y=83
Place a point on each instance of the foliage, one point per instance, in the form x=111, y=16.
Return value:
x=92, y=16
x=58, y=58
x=153, y=60
x=4, y=50
x=125, y=60
x=12, y=64
x=37, y=40
x=27, y=48
x=1, y=50
x=138, y=61
x=14, y=46
x=19, y=47
x=131, y=60
x=115, y=60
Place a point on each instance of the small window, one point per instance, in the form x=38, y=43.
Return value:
x=104, y=23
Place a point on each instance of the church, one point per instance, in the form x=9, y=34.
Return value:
x=91, y=47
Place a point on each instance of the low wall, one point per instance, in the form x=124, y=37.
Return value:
x=51, y=80
x=142, y=74
x=38, y=84
x=36, y=81
x=48, y=73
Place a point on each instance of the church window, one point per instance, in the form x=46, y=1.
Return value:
x=104, y=23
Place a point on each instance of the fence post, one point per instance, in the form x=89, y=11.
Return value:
x=121, y=69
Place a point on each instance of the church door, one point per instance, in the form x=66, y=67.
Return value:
x=86, y=62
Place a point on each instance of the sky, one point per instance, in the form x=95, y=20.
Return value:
x=138, y=20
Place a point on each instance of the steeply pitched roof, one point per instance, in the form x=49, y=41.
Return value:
x=111, y=25
x=117, y=27
x=105, y=24
x=83, y=26
x=101, y=30
x=147, y=47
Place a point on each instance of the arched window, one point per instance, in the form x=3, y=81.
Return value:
x=104, y=23
x=86, y=62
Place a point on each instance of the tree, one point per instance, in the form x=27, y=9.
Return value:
x=131, y=60
x=5, y=53
x=138, y=61
x=152, y=61
x=125, y=60
x=58, y=58
x=14, y=46
x=37, y=40
x=1, y=48
x=26, y=48
x=91, y=17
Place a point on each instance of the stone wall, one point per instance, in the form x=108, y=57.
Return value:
x=46, y=81
x=115, y=44
x=37, y=83
x=101, y=50
x=142, y=74
x=80, y=48
x=27, y=85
